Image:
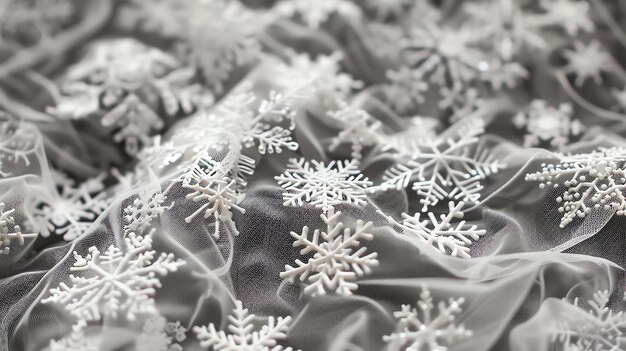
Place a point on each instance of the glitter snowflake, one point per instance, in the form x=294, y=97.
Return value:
x=316, y=13
x=423, y=328
x=445, y=168
x=599, y=328
x=323, y=185
x=336, y=262
x=548, y=124
x=115, y=281
x=587, y=61
x=359, y=129
x=594, y=180
x=447, y=237
x=146, y=207
x=241, y=337
x=9, y=231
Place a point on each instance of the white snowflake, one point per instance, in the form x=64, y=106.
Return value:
x=315, y=13
x=9, y=231
x=242, y=337
x=336, y=262
x=18, y=141
x=405, y=89
x=571, y=15
x=359, y=129
x=445, y=168
x=587, y=61
x=548, y=124
x=599, y=328
x=323, y=185
x=447, y=237
x=146, y=207
x=423, y=328
x=594, y=180
x=115, y=281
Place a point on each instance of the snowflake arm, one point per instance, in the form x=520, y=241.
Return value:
x=9, y=231
x=144, y=209
x=359, y=129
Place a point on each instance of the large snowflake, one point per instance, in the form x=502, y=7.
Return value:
x=445, y=168
x=241, y=337
x=599, y=328
x=447, y=237
x=323, y=185
x=594, y=180
x=336, y=262
x=115, y=281
x=425, y=328
x=9, y=231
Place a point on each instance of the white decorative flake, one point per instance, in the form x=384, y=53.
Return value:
x=447, y=237
x=423, y=328
x=572, y=15
x=115, y=281
x=242, y=337
x=9, y=231
x=594, y=181
x=548, y=124
x=336, y=262
x=384, y=9
x=323, y=185
x=587, y=61
x=359, y=129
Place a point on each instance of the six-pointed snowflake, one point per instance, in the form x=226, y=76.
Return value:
x=9, y=231
x=594, y=181
x=447, y=237
x=115, y=282
x=425, y=328
x=242, y=337
x=160, y=335
x=323, y=185
x=548, y=124
x=336, y=262
x=587, y=61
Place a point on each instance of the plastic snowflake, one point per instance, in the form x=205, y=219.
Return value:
x=323, y=185
x=587, y=61
x=359, y=129
x=445, y=168
x=70, y=211
x=447, y=237
x=594, y=181
x=9, y=231
x=548, y=124
x=316, y=13
x=423, y=328
x=599, y=329
x=18, y=141
x=160, y=335
x=241, y=337
x=115, y=281
x=405, y=89
x=336, y=262
x=145, y=208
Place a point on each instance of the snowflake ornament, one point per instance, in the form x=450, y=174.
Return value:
x=115, y=281
x=336, y=262
x=587, y=61
x=145, y=208
x=9, y=231
x=316, y=13
x=447, y=237
x=423, y=328
x=359, y=129
x=323, y=186
x=599, y=329
x=593, y=181
x=548, y=124
x=445, y=168
x=241, y=337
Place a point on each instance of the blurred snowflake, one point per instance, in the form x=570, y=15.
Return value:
x=359, y=129
x=587, y=61
x=31, y=21
x=544, y=123
x=146, y=207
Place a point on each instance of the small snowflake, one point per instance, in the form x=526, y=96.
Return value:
x=9, y=231
x=587, y=61
x=241, y=337
x=315, y=13
x=160, y=335
x=423, y=328
x=323, y=185
x=335, y=265
x=594, y=181
x=573, y=16
x=116, y=281
x=146, y=207
x=358, y=128
x=548, y=124
x=445, y=168
x=447, y=237
x=599, y=329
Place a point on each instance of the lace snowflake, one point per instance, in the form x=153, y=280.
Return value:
x=145, y=208
x=359, y=129
x=587, y=61
x=323, y=185
x=315, y=13
x=445, y=168
x=69, y=210
x=115, y=281
x=18, y=141
x=594, y=181
x=447, y=237
x=241, y=337
x=336, y=262
x=423, y=328
x=599, y=329
x=548, y=124
x=9, y=231
x=160, y=335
